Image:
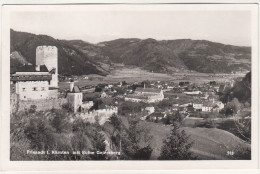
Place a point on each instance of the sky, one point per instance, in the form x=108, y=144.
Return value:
x=228, y=27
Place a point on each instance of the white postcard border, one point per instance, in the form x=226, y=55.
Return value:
x=8, y=165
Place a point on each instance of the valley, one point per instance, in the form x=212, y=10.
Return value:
x=181, y=56
x=132, y=74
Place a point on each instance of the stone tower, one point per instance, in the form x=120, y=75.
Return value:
x=48, y=56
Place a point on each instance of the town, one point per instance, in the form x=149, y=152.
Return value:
x=104, y=99
x=157, y=102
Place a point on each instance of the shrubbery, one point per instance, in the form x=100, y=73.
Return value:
x=130, y=107
x=53, y=130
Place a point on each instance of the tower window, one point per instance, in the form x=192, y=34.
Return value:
x=43, y=89
x=23, y=89
x=34, y=89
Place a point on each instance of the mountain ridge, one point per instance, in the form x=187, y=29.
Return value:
x=165, y=56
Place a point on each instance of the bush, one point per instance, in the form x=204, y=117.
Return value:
x=131, y=107
x=60, y=122
x=79, y=125
x=32, y=109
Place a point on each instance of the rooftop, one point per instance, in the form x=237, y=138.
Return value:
x=151, y=90
x=29, y=68
x=75, y=89
x=92, y=95
x=30, y=77
x=136, y=96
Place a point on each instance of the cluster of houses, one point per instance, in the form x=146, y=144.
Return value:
x=40, y=82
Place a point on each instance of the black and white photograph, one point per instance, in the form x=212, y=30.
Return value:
x=129, y=82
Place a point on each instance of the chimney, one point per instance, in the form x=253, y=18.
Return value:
x=71, y=85
x=37, y=68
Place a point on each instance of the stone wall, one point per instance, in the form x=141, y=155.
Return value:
x=53, y=94
x=13, y=103
x=42, y=105
x=102, y=115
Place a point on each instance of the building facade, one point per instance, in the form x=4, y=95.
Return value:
x=74, y=98
x=75, y=101
x=31, y=85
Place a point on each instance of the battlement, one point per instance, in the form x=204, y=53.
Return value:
x=103, y=115
x=44, y=47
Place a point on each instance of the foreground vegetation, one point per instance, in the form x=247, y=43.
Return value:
x=134, y=139
x=54, y=132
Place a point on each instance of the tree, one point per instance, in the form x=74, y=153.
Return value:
x=164, y=104
x=60, y=123
x=116, y=123
x=98, y=89
x=79, y=125
x=176, y=146
x=212, y=83
x=117, y=127
x=131, y=107
x=98, y=145
x=136, y=142
x=119, y=91
x=143, y=153
x=242, y=153
x=79, y=141
x=243, y=128
x=233, y=107
x=172, y=118
x=39, y=134
x=32, y=109
x=56, y=123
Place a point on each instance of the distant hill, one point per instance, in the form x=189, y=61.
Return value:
x=167, y=56
x=177, y=55
x=70, y=59
x=170, y=55
x=92, y=51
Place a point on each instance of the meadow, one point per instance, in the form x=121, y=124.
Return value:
x=209, y=143
x=133, y=74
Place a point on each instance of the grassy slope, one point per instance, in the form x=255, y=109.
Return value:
x=208, y=143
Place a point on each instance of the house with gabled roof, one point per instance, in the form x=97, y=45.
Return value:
x=33, y=83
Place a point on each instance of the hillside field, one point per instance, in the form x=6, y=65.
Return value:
x=209, y=143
